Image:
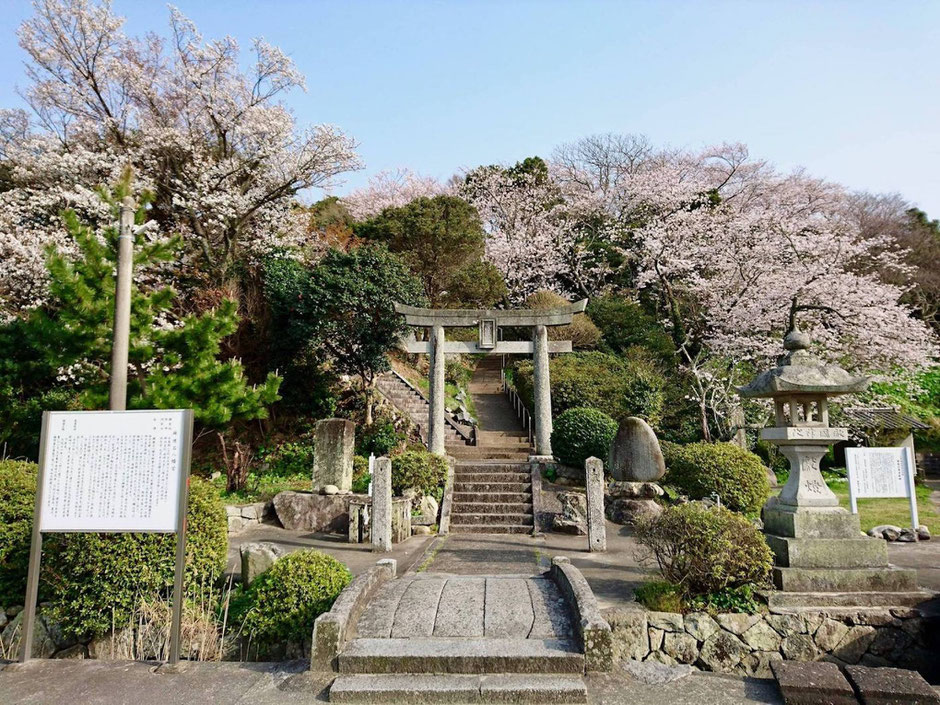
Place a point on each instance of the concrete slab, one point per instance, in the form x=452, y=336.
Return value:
x=509, y=611
x=379, y=616
x=811, y=683
x=460, y=611
x=417, y=608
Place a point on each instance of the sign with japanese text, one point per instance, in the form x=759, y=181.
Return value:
x=881, y=472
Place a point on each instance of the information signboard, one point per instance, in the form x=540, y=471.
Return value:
x=881, y=472
x=112, y=471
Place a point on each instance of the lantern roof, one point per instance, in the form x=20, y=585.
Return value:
x=798, y=371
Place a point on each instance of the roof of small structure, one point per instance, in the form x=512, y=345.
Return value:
x=886, y=417
x=798, y=371
x=466, y=317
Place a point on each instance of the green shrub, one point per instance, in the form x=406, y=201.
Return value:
x=659, y=596
x=17, y=500
x=290, y=459
x=580, y=433
x=360, y=481
x=424, y=471
x=625, y=324
x=700, y=469
x=705, y=550
x=381, y=438
x=283, y=602
x=620, y=387
x=734, y=599
x=96, y=580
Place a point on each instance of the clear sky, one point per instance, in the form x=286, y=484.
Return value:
x=850, y=90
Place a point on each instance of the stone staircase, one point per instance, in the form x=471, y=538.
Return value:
x=412, y=402
x=492, y=498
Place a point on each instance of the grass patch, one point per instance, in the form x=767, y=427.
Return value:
x=261, y=488
x=875, y=511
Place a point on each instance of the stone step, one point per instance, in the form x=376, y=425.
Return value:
x=506, y=476
x=476, y=453
x=496, y=497
x=423, y=688
x=863, y=552
x=787, y=601
x=490, y=529
x=498, y=487
x=490, y=466
x=472, y=656
x=885, y=579
x=490, y=518
x=461, y=507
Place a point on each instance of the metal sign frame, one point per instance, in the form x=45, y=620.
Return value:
x=852, y=455
x=35, y=552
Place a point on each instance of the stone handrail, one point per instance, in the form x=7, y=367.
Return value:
x=593, y=629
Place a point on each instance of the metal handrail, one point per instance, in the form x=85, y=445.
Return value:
x=517, y=405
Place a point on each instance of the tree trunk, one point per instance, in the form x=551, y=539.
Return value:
x=368, y=397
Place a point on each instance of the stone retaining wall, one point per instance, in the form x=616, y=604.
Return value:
x=747, y=644
x=241, y=516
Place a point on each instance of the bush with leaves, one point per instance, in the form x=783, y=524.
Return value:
x=419, y=469
x=379, y=438
x=17, y=500
x=96, y=581
x=704, y=550
x=361, y=477
x=580, y=433
x=700, y=470
x=282, y=603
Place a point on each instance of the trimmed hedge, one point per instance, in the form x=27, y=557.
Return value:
x=580, y=433
x=98, y=580
x=283, y=602
x=705, y=550
x=17, y=500
x=700, y=469
x=424, y=471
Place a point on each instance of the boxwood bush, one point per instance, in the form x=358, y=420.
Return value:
x=282, y=603
x=424, y=471
x=95, y=581
x=17, y=499
x=700, y=469
x=580, y=433
x=705, y=550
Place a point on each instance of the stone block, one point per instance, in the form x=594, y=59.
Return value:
x=762, y=637
x=635, y=454
x=305, y=511
x=630, y=511
x=722, y=652
x=596, y=522
x=810, y=523
x=334, y=445
x=257, y=557
x=828, y=553
x=812, y=684
x=629, y=633
x=891, y=686
x=737, y=622
x=682, y=647
x=667, y=621
x=884, y=579
x=700, y=625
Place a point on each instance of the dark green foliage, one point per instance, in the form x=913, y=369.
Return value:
x=361, y=479
x=283, y=602
x=659, y=596
x=17, y=501
x=704, y=550
x=625, y=324
x=617, y=386
x=381, y=438
x=419, y=469
x=733, y=599
x=700, y=469
x=291, y=459
x=96, y=581
x=441, y=240
x=580, y=433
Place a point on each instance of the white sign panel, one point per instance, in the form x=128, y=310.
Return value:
x=881, y=472
x=113, y=470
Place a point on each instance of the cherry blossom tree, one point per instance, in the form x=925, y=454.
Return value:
x=214, y=143
x=391, y=189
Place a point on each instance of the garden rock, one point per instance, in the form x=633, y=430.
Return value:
x=630, y=511
x=723, y=651
x=798, y=647
x=667, y=621
x=428, y=508
x=855, y=643
x=682, y=647
x=885, y=531
x=762, y=637
x=312, y=512
x=73, y=652
x=118, y=646
x=329, y=489
x=923, y=533
x=257, y=557
x=758, y=664
x=700, y=625
x=737, y=622
x=653, y=673
x=907, y=536
x=573, y=517
x=635, y=454
x=656, y=638
x=634, y=490
x=420, y=530
x=830, y=634
x=3, y=620
x=629, y=632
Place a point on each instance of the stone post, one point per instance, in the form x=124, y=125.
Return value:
x=594, y=482
x=436, y=406
x=543, y=394
x=382, y=506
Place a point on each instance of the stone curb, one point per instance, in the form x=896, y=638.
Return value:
x=593, y=629
x=331, y=630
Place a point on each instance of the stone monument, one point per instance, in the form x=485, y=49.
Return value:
x=635, y=464
x=594, y=482
x=382, y=506
x=334, y=446
x=818, y=546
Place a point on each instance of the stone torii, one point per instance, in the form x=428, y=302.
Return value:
x=488, y=322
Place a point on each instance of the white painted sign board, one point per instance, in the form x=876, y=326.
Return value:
x=113, y=470
x=881, y=472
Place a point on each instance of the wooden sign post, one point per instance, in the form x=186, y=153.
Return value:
x=112, y=471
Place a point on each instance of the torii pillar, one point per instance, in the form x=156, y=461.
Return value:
x=488, y=322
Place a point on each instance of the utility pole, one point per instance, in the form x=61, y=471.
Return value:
x=122, y=307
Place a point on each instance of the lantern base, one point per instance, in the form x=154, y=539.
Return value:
x=880, y=579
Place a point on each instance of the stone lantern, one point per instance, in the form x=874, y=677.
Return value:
x=818, y=546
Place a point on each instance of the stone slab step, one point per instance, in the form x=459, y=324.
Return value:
x=491, y=507
x=477, y=453
x=470, y=656
x=495, y=497
x=490, y=529
x=491, y=486
x=490, y=466
x=502, y=476
x=828, y=553
x=787, y=601
x=458, y=518
x=421, y=688
x=885, y=579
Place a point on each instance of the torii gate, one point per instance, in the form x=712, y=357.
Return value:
x=488, y=322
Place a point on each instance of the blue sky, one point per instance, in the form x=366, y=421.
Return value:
x=849, y=90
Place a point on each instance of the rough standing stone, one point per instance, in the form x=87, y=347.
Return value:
x=762, y=637
x=630, y=511
x=596, y=524
x=334, y=444
x=722, y=652
x=682, y=647
x=257, y=557
x=382, y=506
x=812, y=684
x=700, y=625
x=573, y=517
x=428, y=508
x=635, y=454
x=891, y=686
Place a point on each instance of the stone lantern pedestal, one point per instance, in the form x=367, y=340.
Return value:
x=821, y=556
